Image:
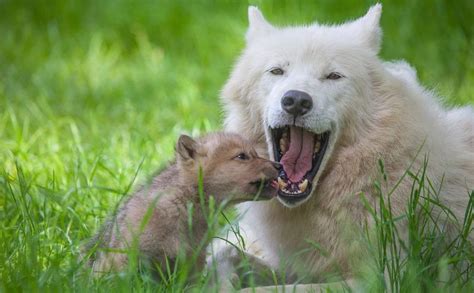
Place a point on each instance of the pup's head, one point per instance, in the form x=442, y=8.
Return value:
x=308, y=89
x=230, y=166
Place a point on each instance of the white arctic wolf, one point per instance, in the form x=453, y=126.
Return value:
x=319, y=100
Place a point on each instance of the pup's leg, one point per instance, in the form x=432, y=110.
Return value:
x=109, y=261
x=117, y=238
x=111, y=254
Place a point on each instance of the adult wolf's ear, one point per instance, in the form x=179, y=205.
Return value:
x=186, y=149
x=258, y=25
x=368, y=27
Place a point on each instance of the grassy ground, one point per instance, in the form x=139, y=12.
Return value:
x=94, y=92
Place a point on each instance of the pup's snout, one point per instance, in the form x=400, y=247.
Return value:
x=271, y=169
x=269, y=164
x=296, y=103
x=276, y=165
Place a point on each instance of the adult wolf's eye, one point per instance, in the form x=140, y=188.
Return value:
x=334, y=75
x=242, y=156
x=276, y=71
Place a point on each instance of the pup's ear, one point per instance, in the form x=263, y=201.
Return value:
x=186, y=148
x=258, y=25
x=368, y=27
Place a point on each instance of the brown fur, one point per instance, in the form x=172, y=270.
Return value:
x=166, y=233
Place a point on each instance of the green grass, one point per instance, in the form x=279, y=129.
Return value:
x=94, y=92
x=425, y=260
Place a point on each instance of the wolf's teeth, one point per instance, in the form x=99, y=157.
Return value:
x=317, y=146
x=281, y=183
x=303, y=185
x=284, y=142
x=282, y=145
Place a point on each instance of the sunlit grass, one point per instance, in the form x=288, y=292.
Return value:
x=426, y=258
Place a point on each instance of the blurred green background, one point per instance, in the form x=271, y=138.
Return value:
x=93, y=92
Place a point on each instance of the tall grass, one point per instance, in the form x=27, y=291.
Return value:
x=93, y=95
x=425, y=258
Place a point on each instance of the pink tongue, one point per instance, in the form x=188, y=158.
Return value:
x=297, y=160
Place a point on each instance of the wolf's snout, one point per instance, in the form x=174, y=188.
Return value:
x=296, y=103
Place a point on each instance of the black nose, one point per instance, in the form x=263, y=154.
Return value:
x=296, y=103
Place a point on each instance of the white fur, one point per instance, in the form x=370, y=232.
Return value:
x=377, y=111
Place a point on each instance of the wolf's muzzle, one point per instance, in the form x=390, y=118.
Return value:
x=296, y=103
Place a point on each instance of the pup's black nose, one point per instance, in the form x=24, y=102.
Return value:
x=296, y=103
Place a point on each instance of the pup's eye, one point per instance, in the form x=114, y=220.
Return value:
x=242, y=156
x=334, y=75
x=276, y=71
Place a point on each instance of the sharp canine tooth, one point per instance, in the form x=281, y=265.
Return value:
x=303, y=185
x=317, y=146
x=281, y=183
x=283, y=141
x=282, y=145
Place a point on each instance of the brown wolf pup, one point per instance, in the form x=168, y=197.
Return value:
x=157, y=219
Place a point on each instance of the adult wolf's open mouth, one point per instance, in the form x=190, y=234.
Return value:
x=300, y=153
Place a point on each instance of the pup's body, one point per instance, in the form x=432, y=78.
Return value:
x=156, y=218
